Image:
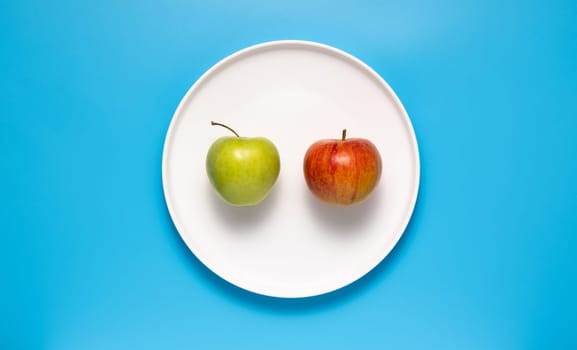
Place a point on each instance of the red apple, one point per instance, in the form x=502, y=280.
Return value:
x=342, y=172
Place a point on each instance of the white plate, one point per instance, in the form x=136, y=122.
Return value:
x=294, y=93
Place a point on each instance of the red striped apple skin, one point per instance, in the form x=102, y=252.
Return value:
x=342, y=172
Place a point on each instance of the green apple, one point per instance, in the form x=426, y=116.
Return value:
x=242, y=170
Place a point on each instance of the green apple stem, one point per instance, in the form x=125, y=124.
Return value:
x=344, y=134
x=225, y=126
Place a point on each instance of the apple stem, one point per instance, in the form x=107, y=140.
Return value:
x=225, y=126
x=344, y=134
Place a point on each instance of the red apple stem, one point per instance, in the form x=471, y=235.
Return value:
x=344, y=134
x=225, y=126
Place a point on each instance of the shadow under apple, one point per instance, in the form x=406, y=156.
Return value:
x=345, y=220
x=242, y=219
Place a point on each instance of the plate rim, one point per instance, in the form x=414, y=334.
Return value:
x=404, y=222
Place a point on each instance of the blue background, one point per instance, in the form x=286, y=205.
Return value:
x=89, y=258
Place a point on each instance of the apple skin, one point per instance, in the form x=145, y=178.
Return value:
x=342, y=172
x=242, y=170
